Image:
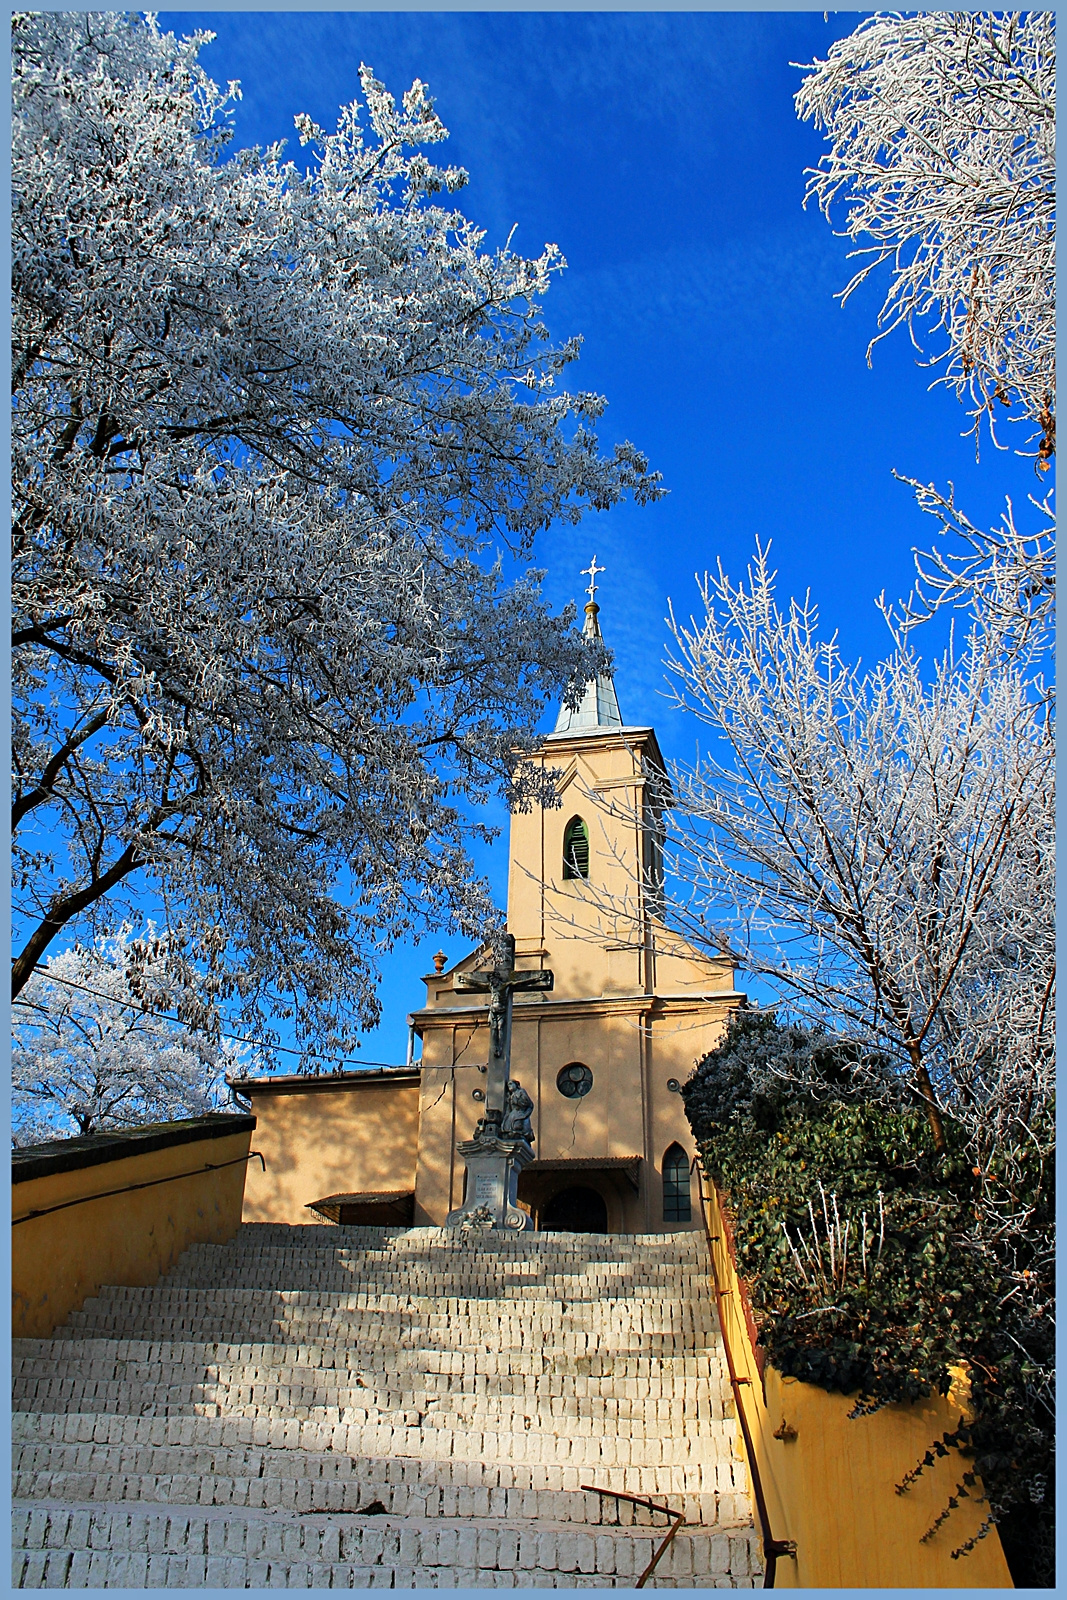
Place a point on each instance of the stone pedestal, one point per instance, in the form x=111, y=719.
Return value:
x=493, y=1167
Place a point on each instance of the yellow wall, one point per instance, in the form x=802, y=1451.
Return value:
x=831, y=1489
x=634, y=1003
x=602, y=922
x=634, y=1045
x=322, y=1136
x=131, y=1238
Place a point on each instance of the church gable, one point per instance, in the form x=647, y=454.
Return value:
x=440, y=990
x=681, y=966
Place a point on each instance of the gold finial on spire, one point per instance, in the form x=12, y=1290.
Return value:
x=591, y=570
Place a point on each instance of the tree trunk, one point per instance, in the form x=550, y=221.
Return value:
x=61, y=912
x=926, y=1089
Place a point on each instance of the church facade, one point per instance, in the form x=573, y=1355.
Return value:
x=602, y=1055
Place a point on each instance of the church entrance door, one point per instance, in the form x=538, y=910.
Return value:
x=575, y=1210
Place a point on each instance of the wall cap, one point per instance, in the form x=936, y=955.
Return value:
x=571, y=1006
x=304, y=1083
x=94, y=1149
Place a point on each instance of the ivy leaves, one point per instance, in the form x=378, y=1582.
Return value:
x=868, y=1261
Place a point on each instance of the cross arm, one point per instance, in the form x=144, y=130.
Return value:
x=467, y=982
x=532, y=980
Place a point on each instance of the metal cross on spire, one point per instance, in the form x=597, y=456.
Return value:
x=592, y=569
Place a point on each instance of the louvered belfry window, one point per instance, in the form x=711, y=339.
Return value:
x=576, y=849
x=677, y=1201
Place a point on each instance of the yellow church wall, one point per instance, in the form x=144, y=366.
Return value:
x=607, y=1120
x=599, y=920
x=830, y=1481
x=633, y=1045
x=679, y=1033
x=356, y=1134
x=679, y=969
x=448, y=1115
x=119, y=1208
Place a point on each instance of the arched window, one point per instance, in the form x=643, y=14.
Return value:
x=677, y=1203
x=576, y=849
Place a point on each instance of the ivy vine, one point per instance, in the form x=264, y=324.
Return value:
x=868, y=1267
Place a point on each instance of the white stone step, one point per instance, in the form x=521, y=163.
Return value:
x=395, y=1241
x=227, y=1548
x=528, y=1437
x=243, y=1397
x=692, y=1457
x=666, y=1395
x=401, y=1289
x=231, y=1425
x=704, y=1472
x=206, y=1471
x=621, y=1319
x=666, y=1315
x=303, y=1481
x=636, y=1372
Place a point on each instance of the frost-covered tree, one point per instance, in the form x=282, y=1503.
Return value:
x=1004, y=574
x=271, y=427
x=91, y=1052
x=878, y=843
x=942, y=130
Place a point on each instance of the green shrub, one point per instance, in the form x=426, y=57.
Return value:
x=864, y=1254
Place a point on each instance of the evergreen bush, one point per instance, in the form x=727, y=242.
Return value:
x=865, y=1270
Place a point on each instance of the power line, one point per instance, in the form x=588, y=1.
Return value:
x=169, y=1016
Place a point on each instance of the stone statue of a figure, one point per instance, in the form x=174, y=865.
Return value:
x=498, y=1016
x=501, y=1146
x=516, y=1122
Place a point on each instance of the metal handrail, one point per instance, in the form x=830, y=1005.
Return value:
x=678, y=1518
x=772, y=1548
x=149, y=1183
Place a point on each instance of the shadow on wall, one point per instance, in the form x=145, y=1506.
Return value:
x=356, y=1133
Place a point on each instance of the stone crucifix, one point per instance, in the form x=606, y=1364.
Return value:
x=500, y=984
x=501, y=1146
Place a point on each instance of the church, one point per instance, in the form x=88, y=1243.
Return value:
x=602, y=1055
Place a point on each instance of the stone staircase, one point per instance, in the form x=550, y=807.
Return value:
x=343, y=1407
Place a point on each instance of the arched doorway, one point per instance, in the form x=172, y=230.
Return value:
x=575, y=1210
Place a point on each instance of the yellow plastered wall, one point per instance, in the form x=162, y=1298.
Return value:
x=634, y=1047
x=61, y=1258
x=634, y=1003
x=321, y=1137
x=593, y=934
x=832, y=1488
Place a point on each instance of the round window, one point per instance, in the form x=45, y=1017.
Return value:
x=574, y=1081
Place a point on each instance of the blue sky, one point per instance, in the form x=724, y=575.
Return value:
x=661, y=152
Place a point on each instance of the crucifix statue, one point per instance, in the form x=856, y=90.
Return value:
x=502, y=1141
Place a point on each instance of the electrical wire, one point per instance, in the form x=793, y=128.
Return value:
x=169, y=1016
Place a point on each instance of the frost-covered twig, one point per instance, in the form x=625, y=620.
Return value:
x=942, y=132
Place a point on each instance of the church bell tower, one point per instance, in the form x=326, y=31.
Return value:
x=632, y=1007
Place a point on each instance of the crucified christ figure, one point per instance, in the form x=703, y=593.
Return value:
x=501, y=984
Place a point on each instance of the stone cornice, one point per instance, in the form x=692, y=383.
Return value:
x=592, y=1006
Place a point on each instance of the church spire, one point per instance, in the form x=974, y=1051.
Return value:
x=599, y=706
